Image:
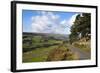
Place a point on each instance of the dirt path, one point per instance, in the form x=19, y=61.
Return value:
x=82, y=54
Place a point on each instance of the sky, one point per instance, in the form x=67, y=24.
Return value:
x=47, y=21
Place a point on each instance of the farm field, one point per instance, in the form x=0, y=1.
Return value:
x=36, y=48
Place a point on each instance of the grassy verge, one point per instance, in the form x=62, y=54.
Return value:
x=52, y=53
x=83, y=47
x=62, y=53
x=37, y=55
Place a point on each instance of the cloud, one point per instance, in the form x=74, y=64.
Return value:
x=48, y=22
x=45, y=22
x=72, y=19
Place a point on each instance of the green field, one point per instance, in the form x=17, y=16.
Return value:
x=37, y=55
x=37, y=48
x=40, y=49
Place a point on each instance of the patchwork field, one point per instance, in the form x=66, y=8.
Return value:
x=42, y=48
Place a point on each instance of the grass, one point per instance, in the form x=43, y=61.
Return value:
x=52, y=53
x=72, y=56
x=38, y=41
x=83, y=47
x=37, y=55
x=62, y=53
x=38, y=51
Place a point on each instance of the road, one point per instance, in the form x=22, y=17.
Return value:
x=82, y=54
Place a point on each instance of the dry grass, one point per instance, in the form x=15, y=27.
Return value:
x=62, y=53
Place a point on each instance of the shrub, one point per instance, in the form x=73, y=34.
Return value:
x=59, y=54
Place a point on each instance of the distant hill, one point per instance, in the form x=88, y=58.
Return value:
x=48, y=35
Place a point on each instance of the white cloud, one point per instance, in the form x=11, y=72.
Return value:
x=63, y=22
x=48, y=22
x=72, y=19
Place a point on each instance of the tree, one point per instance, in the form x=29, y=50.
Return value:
x=82, y=25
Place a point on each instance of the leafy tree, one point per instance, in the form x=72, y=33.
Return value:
x=82, y=25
